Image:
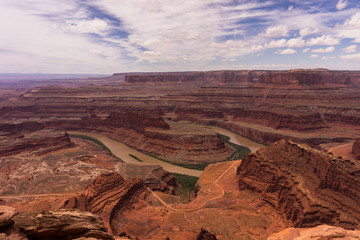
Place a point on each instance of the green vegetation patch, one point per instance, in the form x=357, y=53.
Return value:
x=187, y=186
x=136, y=158
x=240, y=151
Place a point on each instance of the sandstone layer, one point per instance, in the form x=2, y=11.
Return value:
x=39, y=142
x=356, y=149
x=307, y=186
x=55, y=225
x=110, y=195
x=322, y=232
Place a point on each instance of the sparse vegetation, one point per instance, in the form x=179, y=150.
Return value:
x=136, y=158
x=187, y=186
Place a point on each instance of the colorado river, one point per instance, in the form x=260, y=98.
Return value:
x=122, y=151
x=237, y=139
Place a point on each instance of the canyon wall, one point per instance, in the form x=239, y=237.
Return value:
x=41, y=142
x=307, y=186
x=356, y=149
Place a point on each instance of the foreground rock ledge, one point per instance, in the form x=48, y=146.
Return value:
x=61, y=224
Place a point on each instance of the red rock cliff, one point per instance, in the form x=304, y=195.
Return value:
x=308, y=187
x=356, y=149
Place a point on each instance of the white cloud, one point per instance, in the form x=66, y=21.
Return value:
x=314, y=56
x=350, y=49
x=351, y=56
x=286, y=51
x=306, y=50
x=87, y=26
x=276, y=43
x=291, y=43
x=341, y=4
x=350, y=28
x=295, y=43
x=323, y=40
x=276, y=31
x=328, y=58
x=323, y=50
x=307, y=31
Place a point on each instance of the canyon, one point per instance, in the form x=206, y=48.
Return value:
x=274, y=154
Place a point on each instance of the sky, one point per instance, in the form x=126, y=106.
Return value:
x=108, y=36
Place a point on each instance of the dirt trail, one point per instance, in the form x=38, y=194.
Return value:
x=204, y=203
x=122, y=151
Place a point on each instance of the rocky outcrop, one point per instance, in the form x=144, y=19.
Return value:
x=356, y=149
x=307, y=186
x=154, y=177
x=205, y=235
x=60, y=224
x=323, y=232
x=41, y=142
x=109, y=195
x=6, y=216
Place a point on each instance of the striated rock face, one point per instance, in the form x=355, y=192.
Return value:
x=291, y=78
x=154, y=177
x=307, y=186
x=41, y=141
x=217, y=77
x=356, y=148
x=61, y=224
x=135, y=121
x=323, y=232
x=108, y=195
x=20, y=127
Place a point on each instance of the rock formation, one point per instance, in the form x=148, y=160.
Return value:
x=59, y=224
x=41, y=141
x=356, y=149
x=323, y=232
x=6, y=216
x=110, y=195
x=154, y=177
x=205, y=235
x=291, y=77
x=307, y=186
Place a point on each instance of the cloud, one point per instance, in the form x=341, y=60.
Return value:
x=307, y=31
x=295, y=42
x=286, y=51
x=341, y=4
x=323, y=50
x=351, y=56
x=350, y=28
x=350, y=49
x=306, y=50
x=96, y=25
x=323, y=40
x=291, y=43
x=328, y=58
x=276, y=31
x=314, y=56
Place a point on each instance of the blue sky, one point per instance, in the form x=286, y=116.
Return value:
x=107, y=36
